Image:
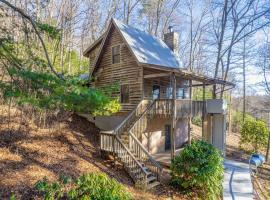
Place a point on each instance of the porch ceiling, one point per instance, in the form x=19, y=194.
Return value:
x=204, y=80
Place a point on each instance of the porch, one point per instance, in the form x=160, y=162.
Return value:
x=165, y=158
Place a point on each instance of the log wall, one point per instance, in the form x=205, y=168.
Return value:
x=125, y=72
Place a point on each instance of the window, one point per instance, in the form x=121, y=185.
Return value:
x=169, y=92
x=116, y=54
x=180, y=93
x=124, y=94
x=156, y=91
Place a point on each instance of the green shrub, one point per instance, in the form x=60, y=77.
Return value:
x=198, y=169
x=197, y=121
x=255, y=133
x=50, y=190
x=93, y=186
x=237, y=120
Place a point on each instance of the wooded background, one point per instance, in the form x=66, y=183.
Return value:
x=226, y=39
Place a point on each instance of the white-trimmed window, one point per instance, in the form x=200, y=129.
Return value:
x=116, y=54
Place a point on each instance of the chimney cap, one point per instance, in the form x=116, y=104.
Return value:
x=170, y=28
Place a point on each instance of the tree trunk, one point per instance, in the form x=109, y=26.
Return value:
x=244, y=80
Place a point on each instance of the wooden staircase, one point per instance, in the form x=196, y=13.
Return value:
x=127, y=148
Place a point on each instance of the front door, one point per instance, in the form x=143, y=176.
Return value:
x=167, y=137
x=156, y=91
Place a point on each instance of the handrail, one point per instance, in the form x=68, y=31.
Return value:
x=127, y=118
x=138, y=143
x=131, y=155
x=145, y=151
x=146, y=110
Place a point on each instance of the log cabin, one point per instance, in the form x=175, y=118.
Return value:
x=154, y=93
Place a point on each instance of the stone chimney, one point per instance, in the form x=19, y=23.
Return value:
x=171, y=39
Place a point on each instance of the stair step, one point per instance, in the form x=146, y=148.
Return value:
x=149, y=174
x=137, y=171
x=146, y=169
x=151, y=178
x=124, y=136
x=154, y=184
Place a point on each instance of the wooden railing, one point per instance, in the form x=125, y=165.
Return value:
x=183, y=108
x=111, y=142
x=136, y=146
x=139, y=150
x=106, y=137
x=198, y=108
x=140, y=124
x=164, y=108
x=135, y=124
x=131, y=117
x=131, y=164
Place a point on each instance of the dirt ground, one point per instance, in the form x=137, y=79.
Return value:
x=28, y=154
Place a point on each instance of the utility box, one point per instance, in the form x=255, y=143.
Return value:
x=219, y=132
x=216, y=106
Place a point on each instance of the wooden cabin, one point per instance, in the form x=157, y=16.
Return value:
x=154, y=93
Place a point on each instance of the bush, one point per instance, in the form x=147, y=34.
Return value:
x=255, y=133
x=198, y=169
x=237, y=120
x=197, y=121
x=93, y=186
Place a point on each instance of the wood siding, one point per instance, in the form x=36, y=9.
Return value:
x=92, y=56
x=125, y=72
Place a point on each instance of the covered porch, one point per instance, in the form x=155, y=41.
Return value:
x=172, y=92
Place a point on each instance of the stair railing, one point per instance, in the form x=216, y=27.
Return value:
x=131, y=164
x=136, y=146
x=130, y=118
x=144, y=156
x=110, y=141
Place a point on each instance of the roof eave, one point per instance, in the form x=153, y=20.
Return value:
x=198, y=77
x=93, y=45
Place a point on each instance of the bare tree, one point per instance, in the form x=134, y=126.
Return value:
x=128, y=7
x=239, y=19
x=158, y=15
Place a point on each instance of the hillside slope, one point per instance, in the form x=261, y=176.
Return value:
x=28, y=154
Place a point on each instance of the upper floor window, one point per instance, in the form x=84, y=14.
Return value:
x=116, y=54
x=124, y=94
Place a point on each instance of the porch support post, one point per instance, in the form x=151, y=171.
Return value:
x=203, y=112
x=173, y=121
x=190, y=111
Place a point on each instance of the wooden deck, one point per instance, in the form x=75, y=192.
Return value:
x=164, y=158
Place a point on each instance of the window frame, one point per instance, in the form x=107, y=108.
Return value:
x=118, y=54
x=122, y=98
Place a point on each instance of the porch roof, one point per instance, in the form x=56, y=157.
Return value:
x=188, y=75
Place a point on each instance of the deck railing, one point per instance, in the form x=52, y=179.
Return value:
x=183, y=108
